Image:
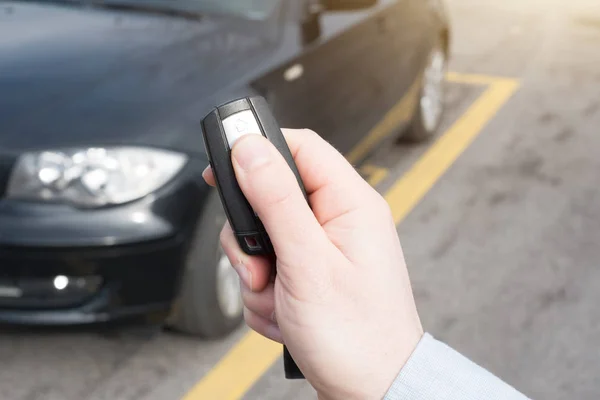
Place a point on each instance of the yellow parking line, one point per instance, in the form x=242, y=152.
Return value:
x=476, y=79
x=375, y=174
x=253, y=355
x=235, y=374
x=411, y=188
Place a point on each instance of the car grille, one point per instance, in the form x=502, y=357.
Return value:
x=40, y=293
x=27, y=279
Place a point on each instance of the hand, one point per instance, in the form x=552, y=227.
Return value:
x=341, y=301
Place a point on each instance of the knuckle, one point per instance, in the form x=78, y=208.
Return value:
x=310, y=133
x=310, y=138
x=258, y=304
x=279, y=197
x=382, y=207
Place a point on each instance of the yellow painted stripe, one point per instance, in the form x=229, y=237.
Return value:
x=235, y=374
x=375, y=174
x=475, y=79
x=402, y=111
x=253, y=355
x=410, y=189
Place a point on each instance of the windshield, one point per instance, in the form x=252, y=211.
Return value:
x=248, y=9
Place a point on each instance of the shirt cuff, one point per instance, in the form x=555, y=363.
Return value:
x=436, y=371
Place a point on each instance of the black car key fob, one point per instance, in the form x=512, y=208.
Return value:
x=221, y=128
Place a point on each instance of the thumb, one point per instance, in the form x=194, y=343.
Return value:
x=272, y=190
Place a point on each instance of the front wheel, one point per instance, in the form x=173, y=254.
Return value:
x=209, y=304
x=430, y=108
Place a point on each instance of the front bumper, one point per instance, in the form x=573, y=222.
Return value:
x=135, y=279
x=136, y=252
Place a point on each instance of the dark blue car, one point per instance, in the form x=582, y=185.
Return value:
x=103, y=210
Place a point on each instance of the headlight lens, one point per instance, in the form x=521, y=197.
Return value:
x=93, y=177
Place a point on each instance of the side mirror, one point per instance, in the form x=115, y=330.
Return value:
x=347, y=5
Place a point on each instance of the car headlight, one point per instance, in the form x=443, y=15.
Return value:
x=93, y=177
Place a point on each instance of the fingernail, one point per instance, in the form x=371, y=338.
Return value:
x=244, y=274
x=251, y=151
x=205, y=172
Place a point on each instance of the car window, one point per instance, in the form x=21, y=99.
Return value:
x=248, y=9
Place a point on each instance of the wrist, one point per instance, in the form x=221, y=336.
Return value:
x=376, y=381
x=396, y=361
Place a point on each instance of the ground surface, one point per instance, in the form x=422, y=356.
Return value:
x=503, y=250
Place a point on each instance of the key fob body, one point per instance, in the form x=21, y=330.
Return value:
x=221, y=128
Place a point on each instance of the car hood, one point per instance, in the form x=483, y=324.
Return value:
x=72, y=76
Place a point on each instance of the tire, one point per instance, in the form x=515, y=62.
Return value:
x=426, y=120
x=198, y=310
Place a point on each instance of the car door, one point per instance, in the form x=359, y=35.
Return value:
x=349, y=78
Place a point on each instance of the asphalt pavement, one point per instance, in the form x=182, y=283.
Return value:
x=503, y=250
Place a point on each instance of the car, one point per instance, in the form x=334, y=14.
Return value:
x=104, y=214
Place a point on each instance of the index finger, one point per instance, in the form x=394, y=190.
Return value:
x=303, y=144
x=325, y=173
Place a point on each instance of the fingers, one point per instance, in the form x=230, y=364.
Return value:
x=333, y=185
x=315, y=158
x=319, y=163
x=272, y=190
x=254, y=271
x=208, y=176
x=263, y=326
x=257, y=293
x=262, y=303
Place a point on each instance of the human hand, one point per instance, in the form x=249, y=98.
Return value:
x=341, y=300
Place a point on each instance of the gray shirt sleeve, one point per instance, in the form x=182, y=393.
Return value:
x=437, y=372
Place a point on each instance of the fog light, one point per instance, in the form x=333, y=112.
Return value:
x=61, y=282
